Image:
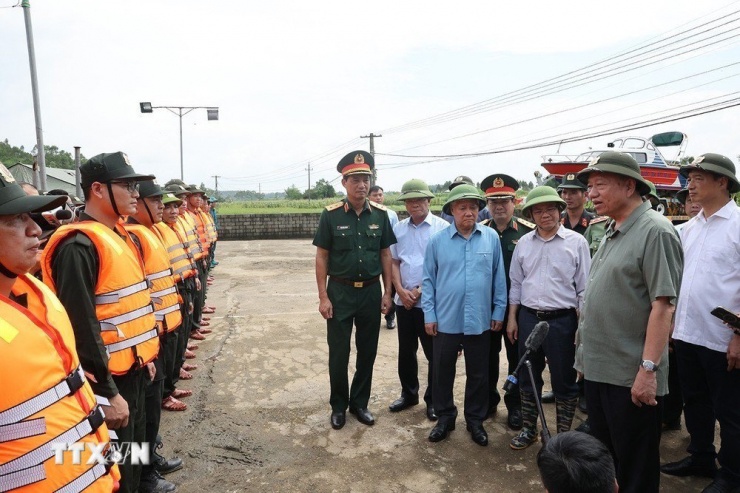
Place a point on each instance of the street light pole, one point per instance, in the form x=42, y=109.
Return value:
x=211, y=111
x=40, y=154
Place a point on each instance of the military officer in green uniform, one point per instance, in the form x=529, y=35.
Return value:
x=353, y=242
x=595, y=232
x=575, y=216
x=500, y=191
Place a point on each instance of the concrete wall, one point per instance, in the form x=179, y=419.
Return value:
x=270, y=226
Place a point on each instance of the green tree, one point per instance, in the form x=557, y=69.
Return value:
x=322, y=189
x=292, y=193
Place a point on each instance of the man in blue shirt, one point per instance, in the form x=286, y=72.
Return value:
x=463, y=298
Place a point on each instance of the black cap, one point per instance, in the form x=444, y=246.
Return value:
x=108, y=167
x=460, y=180
x=13, y=199
x=176, y=189
x=193, y=189
x=571, y=181
x=150, y=188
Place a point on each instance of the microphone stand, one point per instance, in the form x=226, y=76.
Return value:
x=545, y=434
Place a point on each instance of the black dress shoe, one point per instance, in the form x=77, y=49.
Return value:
x=337, y=420
x=363, y=416
x=689, y=466
x=402, y=403
x=582, y=405
x=155, y=483
x=548, y=398
x=514, y=420
x=721, y=485
x=478, y=434
x=440, y=431
x=166, y=466
x=431, y=415
x=671, y=426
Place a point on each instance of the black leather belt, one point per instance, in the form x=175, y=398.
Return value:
x=355, y=284
x=550, y=314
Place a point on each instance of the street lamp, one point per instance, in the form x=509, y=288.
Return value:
x=211, y=112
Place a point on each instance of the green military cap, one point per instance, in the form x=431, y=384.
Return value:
x=13, y=199
x=463, y=192
x=571, y=181
x=653, y=191
x=461, y=180
x=193, y=189
x=499, y=186
x=107, y=167
x=681, y=195
x=618, y=163
x=168, y=198
x=542, y=195
x=356, y=163
x=150, y=188
x=717, y=164
x=415, y=189
x=175, y=181
x=176, y=189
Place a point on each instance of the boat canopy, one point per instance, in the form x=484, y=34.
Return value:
x=668, y=139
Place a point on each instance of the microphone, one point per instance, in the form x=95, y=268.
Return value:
x=63, y=215
x=533, y=343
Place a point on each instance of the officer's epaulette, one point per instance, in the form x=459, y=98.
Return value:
x=335, y=205
x=485, y=222
x=599, y=219
x=378, y=206
x=525, y=223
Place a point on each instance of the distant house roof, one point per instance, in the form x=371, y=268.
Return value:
x=55, y=177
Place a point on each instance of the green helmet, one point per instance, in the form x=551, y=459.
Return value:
x=462, y=192
x=653, y=191
x=415, y=189
x=717, y=164
x=168, y=198
x=618, y=163
x=542, y=195
x=681, y=195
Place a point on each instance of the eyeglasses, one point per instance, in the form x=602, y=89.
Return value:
x=550, y=211
x=131, y=186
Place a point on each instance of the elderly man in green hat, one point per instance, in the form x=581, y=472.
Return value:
x=353, y=242
x=483, y=214
x=464, y=299
x=626, y=320
x=413, y=235
x=707, y=353
x=548, y=275
x=573, y=192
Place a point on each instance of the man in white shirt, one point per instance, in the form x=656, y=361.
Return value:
x=548, y=277
x=707, y=352
x=377, y=195
x=408, y=264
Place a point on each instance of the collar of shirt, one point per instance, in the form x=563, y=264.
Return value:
x=625, y=227
x=725, y=212
x=560, y=233
x=453, y=230
x=348, y=207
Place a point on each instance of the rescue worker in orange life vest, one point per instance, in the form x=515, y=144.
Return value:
x=47, y=395
x=98, y=274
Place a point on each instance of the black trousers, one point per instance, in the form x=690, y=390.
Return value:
x=711, y=394
x=186, y=289
x=410, y=333
x=511, y=398
x=199, y=297
x=153, y=403
x=631, y=433
x=132, y=387
x=169, y=343
x=476, y=349
x=673, y=402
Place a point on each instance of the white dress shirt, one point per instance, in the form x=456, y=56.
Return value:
x=410, y=247
x=549, y=274
x=711, y=277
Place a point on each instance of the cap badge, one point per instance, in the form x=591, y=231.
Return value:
x=698, y=160
x=125, y=159
x=594, y=161
x=498, y=183
x=6, y=174
x=570, y=177
x=359, y=159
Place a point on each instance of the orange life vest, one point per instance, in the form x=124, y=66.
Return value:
x=210, y=227
x=49, y=400
x=181, y=261
x=201, y=230
x=159, y=274
x=122, y=301
x=194, y=244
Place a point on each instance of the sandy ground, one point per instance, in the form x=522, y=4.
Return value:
x=259, y=418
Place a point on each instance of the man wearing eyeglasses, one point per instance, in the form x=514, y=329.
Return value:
x=96, y=270
x=548, y=279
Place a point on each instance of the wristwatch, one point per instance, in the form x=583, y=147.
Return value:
x=649, y=366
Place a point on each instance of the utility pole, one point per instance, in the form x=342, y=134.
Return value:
x=40, y=154
x=216, y=177
x=372, y=137
x=309, y=182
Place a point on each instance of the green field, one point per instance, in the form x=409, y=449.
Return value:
x=303, y=206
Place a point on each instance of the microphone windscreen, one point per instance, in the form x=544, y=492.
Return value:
x=537, y=337
x=63, y=214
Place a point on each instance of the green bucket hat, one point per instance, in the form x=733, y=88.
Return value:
x=717, y=164
x=13, y=199
x=168, y=198
x=542, y=195
x=462, y=192
x=618, y=163
x=415, y=189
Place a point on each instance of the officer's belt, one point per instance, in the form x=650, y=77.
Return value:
x=550, y=314
x=355, y=284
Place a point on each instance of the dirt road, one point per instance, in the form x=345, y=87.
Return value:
x=259, y=418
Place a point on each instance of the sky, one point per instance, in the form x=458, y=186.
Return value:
x=300, y=82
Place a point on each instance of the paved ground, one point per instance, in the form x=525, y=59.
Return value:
x=259, y=419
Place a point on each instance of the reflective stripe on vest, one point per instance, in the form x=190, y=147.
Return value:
x=164, y=292
x=110, y=324
x=115, y=296
x=160, y=274
x=24, y=429
x=159, y=314
x=134, y=341
x=86, y=479
x=25, y=477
